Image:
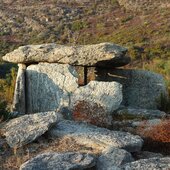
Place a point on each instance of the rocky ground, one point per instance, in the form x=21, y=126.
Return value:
x=112, y=121
x=71, y=137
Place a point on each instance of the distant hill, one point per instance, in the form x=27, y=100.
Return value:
x=141, y=25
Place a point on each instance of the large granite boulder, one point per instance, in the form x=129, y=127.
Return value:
x=113, y=158
x=104, y=54
x=27, y=128
x=96, y=101
x=60, y=161
x=150, y=164
x=49, y=86
x=141, y=89
x=95, y=137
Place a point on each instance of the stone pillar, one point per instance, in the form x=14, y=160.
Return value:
x=19, y=102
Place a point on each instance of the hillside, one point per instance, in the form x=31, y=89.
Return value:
x=141, y=26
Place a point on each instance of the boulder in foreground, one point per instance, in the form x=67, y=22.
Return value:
x=103, y=54
x=60, y=161
x=27, y=128
x=95, y=137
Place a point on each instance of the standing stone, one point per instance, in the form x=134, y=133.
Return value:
x=19, y=103
x=113, y=158
x=96, y=101
x=49, y=86
x=60, y=161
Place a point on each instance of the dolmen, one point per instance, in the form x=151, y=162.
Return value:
x=82, y=78
x=69, y=91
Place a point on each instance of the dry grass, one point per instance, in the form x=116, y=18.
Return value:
x=11, y=159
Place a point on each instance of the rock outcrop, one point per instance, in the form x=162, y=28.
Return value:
x=60, y=161
x=27, y=128
x=96, y=137
x=85, y=55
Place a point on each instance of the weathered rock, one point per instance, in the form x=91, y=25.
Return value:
x=112, y=158
x=148, y=123
x=59, y=161
x=19, y=104
x=27, y=128
x=141, y=89
x=96, y=137
x=147, y=155
x=104, y=54
x=49, y=86
x=139, y=114
x=96, y=101
x=152, y=164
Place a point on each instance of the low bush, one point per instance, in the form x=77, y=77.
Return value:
x=159, y=133
x=91, y=113
x=157, y=137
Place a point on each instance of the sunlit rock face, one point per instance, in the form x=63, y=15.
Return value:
x=49, y=86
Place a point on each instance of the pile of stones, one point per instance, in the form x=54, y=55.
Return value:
x=63, y=90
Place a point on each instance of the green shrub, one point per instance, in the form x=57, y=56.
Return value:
x=78, y=25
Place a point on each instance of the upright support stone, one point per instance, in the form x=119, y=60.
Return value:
x=19, y=103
